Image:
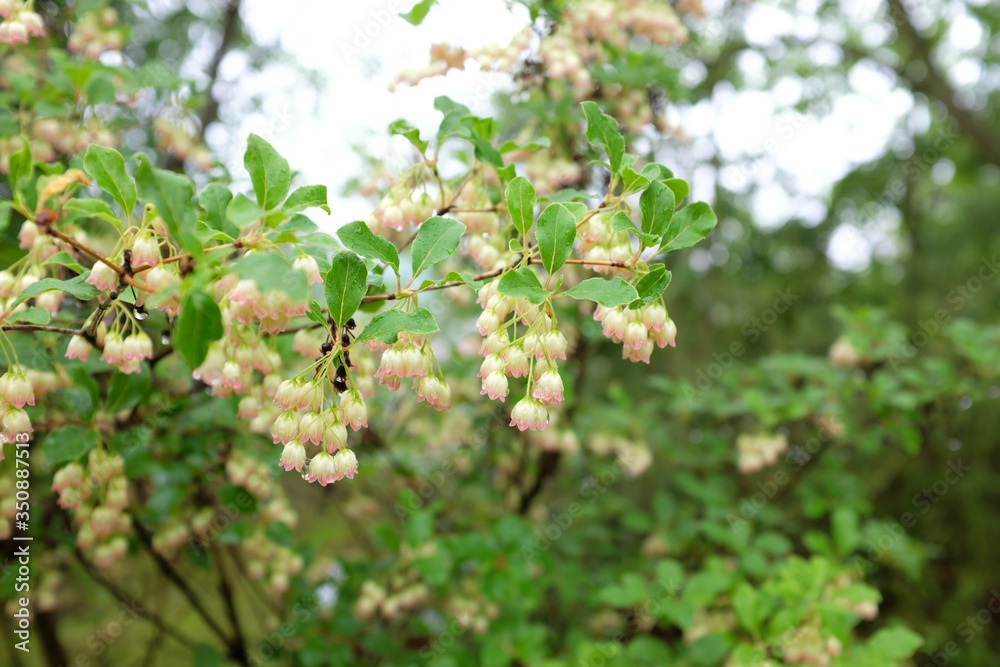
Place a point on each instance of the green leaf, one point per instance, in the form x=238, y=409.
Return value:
x=846, y=534
x=520, y=196
x=215, y=200
x=556, y=233
x=33, y=315
x=21, y=167
x=609, y=293
x=68, y=444
x=298, y=223
x=680, y=188
x=522, y=283
x=94, y=208
x=4, y=215
x=126, y=391
x=417, y=15
x=358, y=237
x=894, y=643
x=602, y=130
x=465, y=278
x=316, y=314
x=107, y=167
x=100, y=89
x=657, y=206
x=320, y=240
x=437, y=239
x=405, y=129
x=75, y=286
x=63, y=258
x=387, y=325
x=173, y=196
x=272, y=271
x=198, y=324
x=345, y=285
x=748, y=607
x=620, y=222
x=655, y=172
x=308, y=196
x=688, y=226
x=269, y=172
x=651, y=286
x=242, y=210
x=511, y=145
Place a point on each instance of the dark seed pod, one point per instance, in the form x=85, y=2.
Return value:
x=347, y=359
x=345, y=340
x=350, y=324
x=342, y=371
x=326, y=347
x=340, y=385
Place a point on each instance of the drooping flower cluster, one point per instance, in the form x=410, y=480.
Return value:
x=533, y=355
x=412, y=358
x=398, y=208
x=16, y=391
x=20, y=22
x=601, y=243
x=98, y=498
x=96, y=32
x=638, y=330
x=270, y=561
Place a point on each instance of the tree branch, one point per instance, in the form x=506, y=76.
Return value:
x=230, y=27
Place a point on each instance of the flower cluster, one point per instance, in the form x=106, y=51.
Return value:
x=16, y=391
x=758, y=451
x=533, y=354
x=638, y=330
x=98, y=498
x=20, y=22
x=397, y=209
x=96, y=32
x=270, y=561
x=412, y=358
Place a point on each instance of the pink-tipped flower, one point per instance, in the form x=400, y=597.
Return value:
x=13, y=32
x=615, y=322
x=27, y=235
x=137, y=345
x=549, y=388
x=285, y=428
x=114, y=349
x=78, y=348
x=33, y=22
x=145, y=251
x=347, y=464
x=529, y=414
x=491, y=364
x=311, y=427
x=68, y=477
x=15, y=423
x=667, y=335
x=389, y=366
x=635, y=335
x=293, y=456
x=637, y=355
x=488, y=322
x=495, y=386
x=322, y=469
x=553, y=345
x=353, y=410
x=312, y=397
x=306, y=344
x=288, y=394
x=51, y=301
x=434, y=391
x=103, y=277
x=516, y=361
x=249, y=407
x=245, y=294
x=494, y=343
x=411, y=363
x=654, y=316
x=10, y=7
x=335, y=433
x=308, y=266
x=17, y=389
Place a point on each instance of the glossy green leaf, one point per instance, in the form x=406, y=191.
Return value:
x=308, y=196
x=657, y=206
x=358, y=237
x=556, y=233
x=689, y=226
x=345, y=285
x=387, y=325
x=609, y=293
x=437, y=239
x=651, y=286
x=198, y=323
x=173, y=196
x=68, y=444
x=522, y=283
x=107, y=167
x=215, y=200
x=63, y=258
x=602, y=130
x=93, y=208
x=269, y=172
x=520, y=196
x=417, y=15
x=76, y=286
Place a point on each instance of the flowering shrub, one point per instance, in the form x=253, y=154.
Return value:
x=177, y=346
